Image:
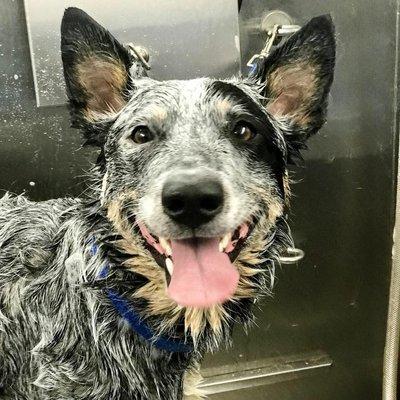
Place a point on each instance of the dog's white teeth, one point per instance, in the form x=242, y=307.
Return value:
x=224, y=242
x=165, y=245
x=170, y=265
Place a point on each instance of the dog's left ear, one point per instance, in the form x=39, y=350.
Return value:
x=96, y=68
x=298, y=74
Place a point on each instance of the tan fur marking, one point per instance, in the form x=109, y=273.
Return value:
x=275, y=210
x=114, y=214
x=274, y=206
x=223, y=106
x=191, y=381
x=292, y=90
x=158, y=114
x=103, y=80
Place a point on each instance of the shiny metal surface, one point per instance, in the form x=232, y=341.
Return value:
x=274, y=17
x=391, y=360
x=335, y=299
x=292, y=256
x=184, y=39
x=262, y=372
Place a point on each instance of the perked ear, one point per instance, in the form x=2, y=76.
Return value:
x=298, y=74
x=96, y=68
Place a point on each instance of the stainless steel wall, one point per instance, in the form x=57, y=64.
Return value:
x=180, y=37
x=335, y=300
x=39, y=153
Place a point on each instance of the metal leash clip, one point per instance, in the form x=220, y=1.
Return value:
x=140, y=54
x=276, y=32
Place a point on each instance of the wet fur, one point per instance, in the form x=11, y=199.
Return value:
x=59, y=336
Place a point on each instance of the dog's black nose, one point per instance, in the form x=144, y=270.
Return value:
x=191, y=200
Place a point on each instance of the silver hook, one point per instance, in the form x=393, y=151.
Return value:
x=139, y=53
x=272, y=35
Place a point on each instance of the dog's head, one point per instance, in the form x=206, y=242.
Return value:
x=195, y=172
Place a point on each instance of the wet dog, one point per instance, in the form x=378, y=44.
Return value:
x=119, y=295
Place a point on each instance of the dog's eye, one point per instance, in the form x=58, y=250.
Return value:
x=142, y=134
x=244, y=131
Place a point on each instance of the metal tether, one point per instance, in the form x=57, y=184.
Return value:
x=273, y=34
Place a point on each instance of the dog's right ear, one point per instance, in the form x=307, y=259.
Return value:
x=96, y=68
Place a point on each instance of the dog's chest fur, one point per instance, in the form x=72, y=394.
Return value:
x=59, y=337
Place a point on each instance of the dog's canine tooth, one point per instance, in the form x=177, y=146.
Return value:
x=224, y=241
x=170, y=265
x=165, y=245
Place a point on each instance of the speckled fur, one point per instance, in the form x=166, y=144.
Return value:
x=60, y=338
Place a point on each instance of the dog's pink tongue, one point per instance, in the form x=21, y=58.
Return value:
x=202, y=276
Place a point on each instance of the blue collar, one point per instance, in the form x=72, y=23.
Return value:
x=127, y=312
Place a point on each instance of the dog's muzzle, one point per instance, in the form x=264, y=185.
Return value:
x=200, y=270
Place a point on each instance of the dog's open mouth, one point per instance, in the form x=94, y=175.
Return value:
x=199, y=271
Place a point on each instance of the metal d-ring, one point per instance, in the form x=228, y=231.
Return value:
x=292, y=256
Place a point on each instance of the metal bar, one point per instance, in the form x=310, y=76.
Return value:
x=391, y=352
x=285, y=30
x=262, y=372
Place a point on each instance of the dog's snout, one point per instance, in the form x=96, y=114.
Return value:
x=192, y=200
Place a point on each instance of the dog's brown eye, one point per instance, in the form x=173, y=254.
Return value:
x=142, y=134
x=244, y=132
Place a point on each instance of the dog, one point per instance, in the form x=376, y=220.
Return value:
x=118, y=295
